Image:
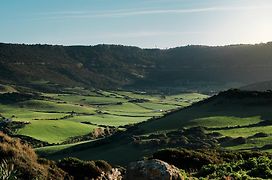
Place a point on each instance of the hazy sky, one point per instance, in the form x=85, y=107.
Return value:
x=144, y=23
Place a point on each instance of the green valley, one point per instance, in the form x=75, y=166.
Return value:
x=136, y=90
x=54, y=118
x=234, y=120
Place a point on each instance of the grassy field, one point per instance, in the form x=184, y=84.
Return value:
x=253, y=143
x=108, y=120
x=231, y=117
x=55, y=118
x=246, y=132
x=47, y=150
x=115, y=152
x=224, y=121
x=55, y=131
x=212, y=114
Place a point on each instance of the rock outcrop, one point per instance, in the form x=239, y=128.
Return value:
x=114, y=174
x=152, y=170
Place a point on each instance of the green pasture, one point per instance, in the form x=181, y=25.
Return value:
x=108, y=120
x=55, y=131
x=246, y=132
x=52, y=106
x=157, y=107
x=212, y=114
x=47, y=150
x=90, y=100
x=233, y=118
x=224, y=121
x=253, y=143
x=58, y=117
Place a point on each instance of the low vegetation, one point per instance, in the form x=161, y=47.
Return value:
x=218, y=164
x=19, y=161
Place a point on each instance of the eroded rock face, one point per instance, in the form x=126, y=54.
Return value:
x=152, y=170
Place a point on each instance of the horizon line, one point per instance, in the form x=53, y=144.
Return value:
x=112, y=44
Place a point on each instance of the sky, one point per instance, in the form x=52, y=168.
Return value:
x=143, y=23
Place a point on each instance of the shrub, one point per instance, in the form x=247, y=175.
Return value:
x=22, y=156
x=21, y=161
x=103, y=165
x=260, y=167
x=198, y=159
x=7, y=171
x=83, y=169
x=185, y=159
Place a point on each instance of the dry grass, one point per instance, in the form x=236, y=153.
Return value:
x=25, y=160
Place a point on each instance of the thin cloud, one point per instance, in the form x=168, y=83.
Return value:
x=139, y=12
x=146, y=34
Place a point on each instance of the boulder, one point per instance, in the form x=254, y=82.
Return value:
x=153, y=169
x=114, y=174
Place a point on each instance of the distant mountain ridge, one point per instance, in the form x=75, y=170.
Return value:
x=259, y=86
x=201, y=68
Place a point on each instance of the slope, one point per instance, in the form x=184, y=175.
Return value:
x=187, y=68
x=233, y=119
x=259, y=86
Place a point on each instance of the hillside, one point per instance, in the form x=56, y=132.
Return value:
x=200, y=68
x=243, y=106
x=45, y=65
x=19, y=161
x=233, y=120
x=79, y=114
x=259, y=86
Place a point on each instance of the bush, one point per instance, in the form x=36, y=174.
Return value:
x=103, y=165
x=202, y=158
x=185, y=159
x=7, y=170
x=260, y=167
x=83, y=169
x=20, y=161
x=22, y=156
